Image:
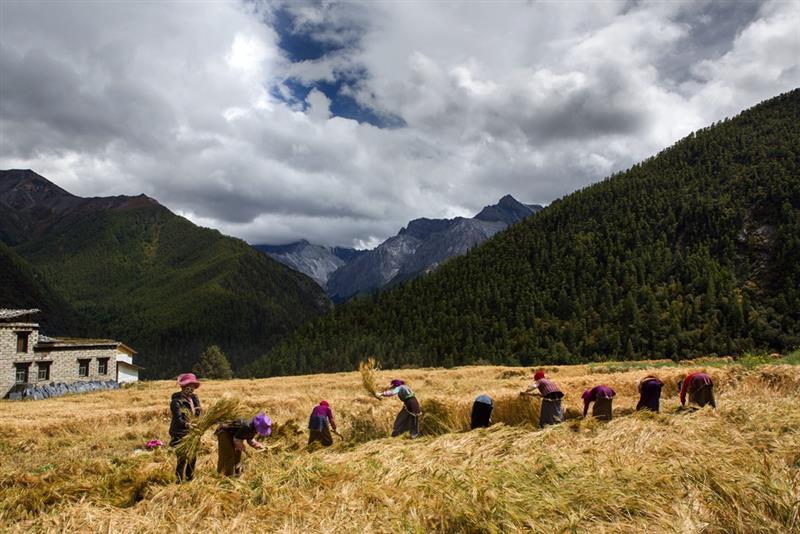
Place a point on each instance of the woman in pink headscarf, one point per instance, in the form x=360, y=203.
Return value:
x=184, y=405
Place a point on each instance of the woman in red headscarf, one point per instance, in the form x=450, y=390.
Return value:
x=551, y=412
x=184, y=406
x=320, y=424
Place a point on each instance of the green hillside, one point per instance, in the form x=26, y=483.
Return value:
x=23, y=287
x=169, y=288
x=696, y=250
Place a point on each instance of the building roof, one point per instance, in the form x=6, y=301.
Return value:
x=7, y=313
x=45, y=341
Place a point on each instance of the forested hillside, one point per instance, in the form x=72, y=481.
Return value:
x=154, y=280
x=23, y=287
x=696, y=250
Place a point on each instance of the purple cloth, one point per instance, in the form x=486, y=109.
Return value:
x=322, y=411
x=650, y=395
x=598, y=392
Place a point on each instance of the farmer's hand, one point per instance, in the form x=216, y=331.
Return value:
x=256, y=445
x=238, y=445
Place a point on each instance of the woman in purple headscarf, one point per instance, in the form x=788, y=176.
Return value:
x=231, y=438
x=601, y=396
x=408, y=418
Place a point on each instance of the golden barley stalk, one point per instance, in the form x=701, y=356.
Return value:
x=369, y=379
x=224, y=409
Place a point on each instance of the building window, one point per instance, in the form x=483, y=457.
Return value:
x=44, y=370
x=83, y=367
x=21, y=374
x=22, y=341
x=102, y=366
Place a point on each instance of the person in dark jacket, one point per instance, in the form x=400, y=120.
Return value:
x=231, y=438
x=482, y=410
x=320, y=424
x=649, y=393
x=408, y=418
x=184, y=406
x=601, y=396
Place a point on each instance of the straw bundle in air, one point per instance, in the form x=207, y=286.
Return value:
x=369, y=379
x=225, y=408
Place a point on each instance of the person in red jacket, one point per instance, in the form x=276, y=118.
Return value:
x=700, y=388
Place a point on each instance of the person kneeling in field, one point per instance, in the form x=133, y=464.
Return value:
x=482, y=412
x=602, y=397
x=320, y=424
x=649, y=393
x=408, y=418
x=551, y=412
x=184, y=405
x=231, y=438
x=700, y=388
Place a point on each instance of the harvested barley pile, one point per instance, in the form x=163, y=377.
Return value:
x=71, y=464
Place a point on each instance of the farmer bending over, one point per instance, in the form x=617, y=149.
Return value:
x=700, y=388
x=184, y=405
x=601, y=396
x=551, y=412
x=320, y=424
x=408, y=418
x=231, y=437
x=482, y=410
x=649, y=393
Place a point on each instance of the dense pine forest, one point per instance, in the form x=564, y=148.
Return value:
x=693, y=251
x=24, y=287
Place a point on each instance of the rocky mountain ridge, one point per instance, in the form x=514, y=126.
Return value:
x=419, y=247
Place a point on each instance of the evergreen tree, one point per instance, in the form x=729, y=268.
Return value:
x=213, y=364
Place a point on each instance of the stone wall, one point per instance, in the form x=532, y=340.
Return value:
x=64, y=366
x=9, y=354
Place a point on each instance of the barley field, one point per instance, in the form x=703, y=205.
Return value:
x=77, y=464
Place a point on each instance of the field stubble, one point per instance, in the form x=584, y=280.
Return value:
x=69, y=464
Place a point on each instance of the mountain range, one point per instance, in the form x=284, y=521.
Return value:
x=316, y=261
x=418, y=248
x=693, y=251
x=137, y=272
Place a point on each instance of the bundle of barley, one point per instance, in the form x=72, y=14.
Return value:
x=442, y=416
x=515, y=410
x=369, y=379
x=226, y=408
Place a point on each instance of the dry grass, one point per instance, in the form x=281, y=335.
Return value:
x=70, y=465
x=369, y=380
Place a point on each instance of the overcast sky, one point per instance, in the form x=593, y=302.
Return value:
x=339, y=122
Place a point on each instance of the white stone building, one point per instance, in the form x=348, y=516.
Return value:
x=29, y=358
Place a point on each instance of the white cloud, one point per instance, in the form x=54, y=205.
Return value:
x=533, y=99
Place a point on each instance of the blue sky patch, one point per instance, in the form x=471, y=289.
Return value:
x=302, y=46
